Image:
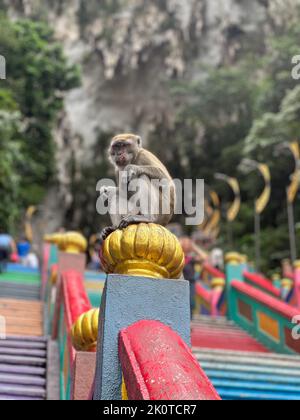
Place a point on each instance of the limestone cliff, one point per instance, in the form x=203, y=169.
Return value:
x=129, y=50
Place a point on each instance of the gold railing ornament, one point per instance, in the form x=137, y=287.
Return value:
x=297, y=265
x=235, y=206
x=84, y=332
x=287, y=284
x=54, y=275
x=146, y=250
x=233, y=258
x=70, y=242
x=218, y=284
x=295, y=177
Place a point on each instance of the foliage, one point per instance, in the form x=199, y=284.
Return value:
x=10, y=158
x=37, y=76
x=241, y=111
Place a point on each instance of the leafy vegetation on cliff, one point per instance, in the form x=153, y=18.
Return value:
x=30, y=100
x=241, y=111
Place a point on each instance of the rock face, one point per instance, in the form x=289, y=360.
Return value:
x=130, y=49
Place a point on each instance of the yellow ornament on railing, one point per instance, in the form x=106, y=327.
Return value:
x=70, y=242
x=146, y=250
x=218, y=283
x=234, y=258
x=84, y=332
x=287, y=284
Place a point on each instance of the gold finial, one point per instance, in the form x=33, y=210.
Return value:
x=53, y=275
x=146, y=250
x=84, y=332
x=70, y=242
x=297, y=264
x=287, y=283
x=244, y=259
x=233, y=258
x=218, y=283
x=124, y=390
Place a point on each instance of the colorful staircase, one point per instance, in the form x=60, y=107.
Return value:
x=23, y=365
x=25, y=351
x=239, y=367
x=219, y=333
x=20, y=283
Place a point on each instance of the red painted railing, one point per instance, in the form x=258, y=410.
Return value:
x=158, y=365
x=76, y=301
x=262, y=283
x=211, y=299
x=297, y=288
x=213, y=271
x=73, y=303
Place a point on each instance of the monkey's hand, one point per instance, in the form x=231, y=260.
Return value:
x=107, y=192
x=106, y=232
x=132, y=172
x=133, y=220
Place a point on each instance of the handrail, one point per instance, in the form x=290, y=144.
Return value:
x=213, y=271
x=76, y=300
x=262, y=283
x=282, y=308
x=273, y=322
x=203, y=293
x=158, y=365
x=208, y=301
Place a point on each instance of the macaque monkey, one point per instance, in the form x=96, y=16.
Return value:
x=157, y=187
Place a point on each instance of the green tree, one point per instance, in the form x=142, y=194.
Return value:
x=37, y=77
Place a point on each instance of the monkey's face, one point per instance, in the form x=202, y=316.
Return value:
x=123, y=151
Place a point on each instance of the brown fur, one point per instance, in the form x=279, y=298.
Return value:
x=146, y=165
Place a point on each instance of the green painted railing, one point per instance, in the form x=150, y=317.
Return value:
x=273, y=322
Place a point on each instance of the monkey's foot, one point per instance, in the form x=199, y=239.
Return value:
x=106, y=232
x=133, y=220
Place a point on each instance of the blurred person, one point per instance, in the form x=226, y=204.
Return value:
x=94, y=252
x=23, y=249
x=189, y=271
x=7, y=248
x=287, y=268
x=31, y=260
x=217, y=259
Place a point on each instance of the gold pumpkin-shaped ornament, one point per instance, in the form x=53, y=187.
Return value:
x=84, y=332
x=70, y=242
x=146, y=250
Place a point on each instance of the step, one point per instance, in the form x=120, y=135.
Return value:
x=23, y=317
x=256, y=386
x=4, y=397
x=22, y=344
x=255, y=396
x=252, y=377
x=27, y=339
x=22, y=352
x=22, y=370
x=232, y=367
x=294, y=359
x=208, y=319
x=249, y=360
x=23, y=391
x=23, y=360
x=7, y=378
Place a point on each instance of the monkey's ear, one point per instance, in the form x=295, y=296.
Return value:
x=139, y=141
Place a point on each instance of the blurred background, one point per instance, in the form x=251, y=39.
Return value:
x=206, y=83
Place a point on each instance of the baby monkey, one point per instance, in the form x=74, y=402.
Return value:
x=157, y=188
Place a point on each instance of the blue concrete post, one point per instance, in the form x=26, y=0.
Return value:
x=127, y=300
